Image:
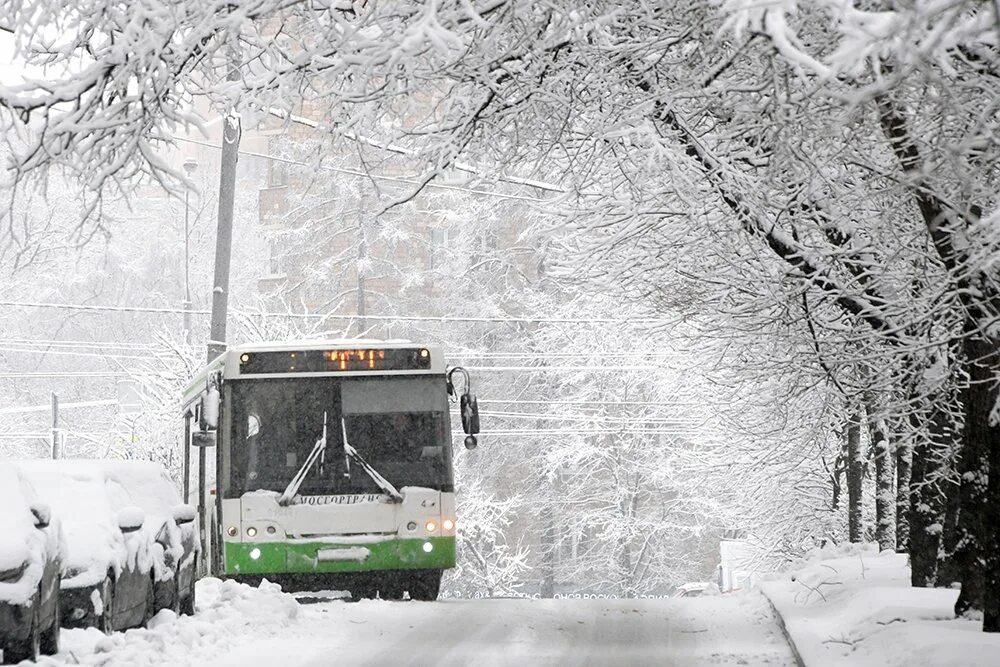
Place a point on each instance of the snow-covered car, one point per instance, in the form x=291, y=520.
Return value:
x=31, y=549
x=109, y=574
x=176, y=551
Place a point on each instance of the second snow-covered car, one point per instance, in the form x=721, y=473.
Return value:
x=31, y=549
x=176, y=551
x=109, y=579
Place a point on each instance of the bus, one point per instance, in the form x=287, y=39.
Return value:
x=327, y=465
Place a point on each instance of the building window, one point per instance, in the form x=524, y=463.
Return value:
x=439, y=241
x=277, y=174
x=275, y=258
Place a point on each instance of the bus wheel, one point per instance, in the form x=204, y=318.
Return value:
x=425, y=586
x=391, y=590
x=362, y=592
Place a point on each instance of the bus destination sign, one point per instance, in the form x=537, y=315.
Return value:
x=332, y=361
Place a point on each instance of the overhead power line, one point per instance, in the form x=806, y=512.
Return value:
x=41, y=345
x=98, y=344
x=48, y=434
x=400, y=150
x=599, y=431
x=518, y=401
x=588, y=369
x=62, y=374
x=595, y=354
x=377, y=177
x=653, y=422
x=443, y=319
x=75, y=353
x=100, y=308
x=62, y=406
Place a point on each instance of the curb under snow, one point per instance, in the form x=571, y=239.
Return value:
x=784, y=630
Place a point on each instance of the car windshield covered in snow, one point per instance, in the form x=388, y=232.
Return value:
x=399, y=426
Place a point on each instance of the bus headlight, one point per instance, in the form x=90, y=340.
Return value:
x=431, y=526
x=251, y=532
x=448, y=524
x=428, y=547
x=232, y=531
x=254, y=553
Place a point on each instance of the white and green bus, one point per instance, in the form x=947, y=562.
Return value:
x=331, y=467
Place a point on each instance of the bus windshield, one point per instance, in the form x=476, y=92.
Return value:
x=398, y=425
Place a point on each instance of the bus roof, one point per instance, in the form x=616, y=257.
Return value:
x=229, y=361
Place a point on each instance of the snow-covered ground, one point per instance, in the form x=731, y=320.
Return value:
x=228, y=613
x=844, y=606
x=851, y=605
x=239, y=626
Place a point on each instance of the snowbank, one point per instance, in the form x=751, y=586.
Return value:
x=229, y=614
x=851, y=605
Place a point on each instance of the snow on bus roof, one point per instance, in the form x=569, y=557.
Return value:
x=308, y=344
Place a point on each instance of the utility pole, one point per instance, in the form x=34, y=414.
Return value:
x=224, y=238
x=55, y=426
x=223, y=251
x=189, y=166
x=362, y=252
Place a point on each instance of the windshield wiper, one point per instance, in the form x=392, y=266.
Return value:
x=381, y=481
x=319, y=449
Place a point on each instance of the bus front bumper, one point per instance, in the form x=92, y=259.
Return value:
x=429, y=553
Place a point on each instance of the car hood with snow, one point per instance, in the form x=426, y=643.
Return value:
x=93, y=507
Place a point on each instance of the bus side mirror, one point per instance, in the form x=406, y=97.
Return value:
x=470, y=414
x=208, y=415
x=471, y=442
x=203, y=439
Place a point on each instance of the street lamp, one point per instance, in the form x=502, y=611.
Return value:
x=190, y=165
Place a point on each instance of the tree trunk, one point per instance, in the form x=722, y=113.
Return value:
x=947, y=451
x=924, y=512
x=885, y=521
x=839, y=466
x=904, y=459
x=548, y=567
x=927, y=494
x=979, y=491
x=855, y=478
x=976, y=287
x=990, y=511
x=975, y=516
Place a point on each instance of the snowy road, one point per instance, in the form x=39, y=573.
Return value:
x=524, y=632
x=242, y=627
